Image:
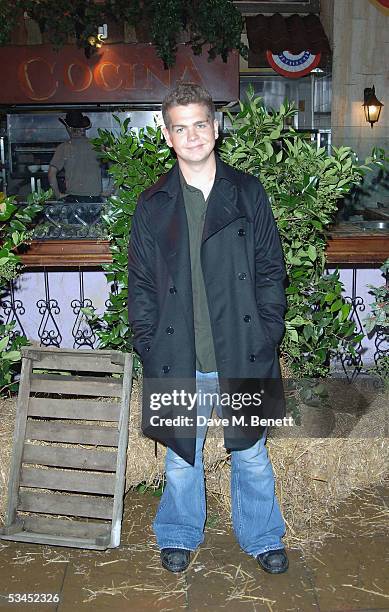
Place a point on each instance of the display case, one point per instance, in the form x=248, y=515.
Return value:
x=32, y=137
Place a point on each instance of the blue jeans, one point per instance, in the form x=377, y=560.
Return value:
x=256, y=516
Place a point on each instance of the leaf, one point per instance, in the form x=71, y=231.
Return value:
x=345, y=311
x=336, y=306
x=298, y=320
x=312, y=253
x=12, y=356
x=4, y=342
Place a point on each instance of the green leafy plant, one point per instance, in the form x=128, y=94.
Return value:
x=15, y=232
x=137, y=160
x=304, y=185
x=10, y=356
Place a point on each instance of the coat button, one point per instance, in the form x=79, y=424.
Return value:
x=165, y=369
x=147, y=349
x=252, y=358
x=241, y=232
x=173, y=289
x=242, y=275
x=170, y=330
x=247, y=318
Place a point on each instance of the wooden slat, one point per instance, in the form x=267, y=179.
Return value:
x=18, y=441
x=81, y=482
x=99, y=543
x=50, y=431
x=56, y=408
x=79, y=458
x=115, y=356
x=77, y=363
x=122, y=453
x=67, y=505
x=62, y=527
x=76, y=385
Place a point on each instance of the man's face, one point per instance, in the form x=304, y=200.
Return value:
x=191, y=133
x=76, y=132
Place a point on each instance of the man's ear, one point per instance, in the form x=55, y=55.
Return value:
x=166, y=134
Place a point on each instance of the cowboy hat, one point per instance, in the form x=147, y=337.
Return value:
x=75, y=119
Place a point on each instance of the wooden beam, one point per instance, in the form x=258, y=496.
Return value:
x=67, y=253
x=253, y=8
x=90, y=253
x=357, y=250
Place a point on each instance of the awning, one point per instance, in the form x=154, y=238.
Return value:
x=295, y=34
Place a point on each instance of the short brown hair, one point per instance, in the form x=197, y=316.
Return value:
x=186, y=93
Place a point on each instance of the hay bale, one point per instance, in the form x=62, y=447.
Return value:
x=312, y=477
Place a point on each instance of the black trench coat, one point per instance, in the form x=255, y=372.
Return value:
x=244, y=277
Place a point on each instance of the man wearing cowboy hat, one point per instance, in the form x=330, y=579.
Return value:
x=79, y=161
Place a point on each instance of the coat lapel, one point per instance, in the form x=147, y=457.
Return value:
x=172, y=235
x=222, y=208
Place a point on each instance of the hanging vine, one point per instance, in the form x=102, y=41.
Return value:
x=216, y=23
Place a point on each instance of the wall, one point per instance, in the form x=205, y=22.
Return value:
x=360, y=59
x=327, y=19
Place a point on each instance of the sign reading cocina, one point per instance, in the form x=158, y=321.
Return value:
x=118, y=73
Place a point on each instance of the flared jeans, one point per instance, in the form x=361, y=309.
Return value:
x=256, y=516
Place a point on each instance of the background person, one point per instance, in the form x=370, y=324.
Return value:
x=79, y=160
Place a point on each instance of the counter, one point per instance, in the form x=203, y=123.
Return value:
x=347, y=244
x=358, y=243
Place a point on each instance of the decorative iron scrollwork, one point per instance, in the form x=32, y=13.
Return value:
x=82, y=332
x=13, y=310
x=48, y=332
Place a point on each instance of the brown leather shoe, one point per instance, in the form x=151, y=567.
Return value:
x=274, y=561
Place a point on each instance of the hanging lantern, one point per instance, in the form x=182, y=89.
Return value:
x=372, y=106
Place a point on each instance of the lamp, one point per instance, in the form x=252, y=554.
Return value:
x=96, y=41
x=372, y=106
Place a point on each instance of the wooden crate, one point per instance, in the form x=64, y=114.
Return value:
x=67, y=475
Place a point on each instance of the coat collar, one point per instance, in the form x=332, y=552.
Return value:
x=224, y=205
x=170, y=182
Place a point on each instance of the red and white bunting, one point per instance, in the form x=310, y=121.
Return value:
x=293, y=66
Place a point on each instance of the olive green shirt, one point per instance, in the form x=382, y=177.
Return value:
x=196, y=208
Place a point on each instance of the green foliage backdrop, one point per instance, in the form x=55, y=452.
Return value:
x=15, y=224
x=304, y=185
x=218, y=24
x=137, y=160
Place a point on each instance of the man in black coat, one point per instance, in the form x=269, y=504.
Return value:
x=206, y=304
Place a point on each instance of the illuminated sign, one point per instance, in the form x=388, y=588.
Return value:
x=118, y=73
